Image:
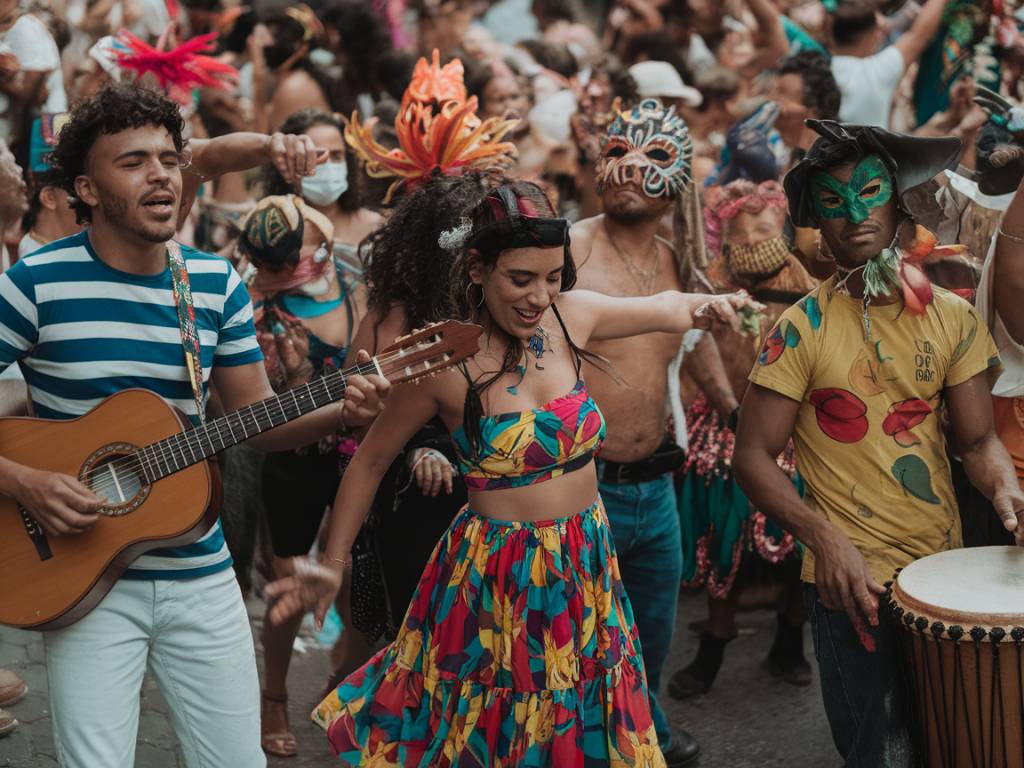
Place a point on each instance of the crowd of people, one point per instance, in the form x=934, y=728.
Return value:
x=746, y=275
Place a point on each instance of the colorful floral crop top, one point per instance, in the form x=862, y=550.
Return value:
x=528, y=447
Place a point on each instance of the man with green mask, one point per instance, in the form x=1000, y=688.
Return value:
x=856, y=373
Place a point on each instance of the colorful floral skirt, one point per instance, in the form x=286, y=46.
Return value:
x=519, y=649
x=716, y=519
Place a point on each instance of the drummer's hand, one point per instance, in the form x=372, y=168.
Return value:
x=844, y=583
x=1009, y=505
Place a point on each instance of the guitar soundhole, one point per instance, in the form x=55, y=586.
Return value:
x=116, y=473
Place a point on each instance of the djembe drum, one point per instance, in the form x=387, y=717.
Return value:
x=962, y=613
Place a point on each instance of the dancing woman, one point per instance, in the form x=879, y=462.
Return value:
x=519, y=647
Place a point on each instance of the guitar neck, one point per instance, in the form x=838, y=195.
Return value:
x=191, y=446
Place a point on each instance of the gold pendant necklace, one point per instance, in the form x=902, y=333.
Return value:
x=645, y=280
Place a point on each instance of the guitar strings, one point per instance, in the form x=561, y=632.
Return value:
x=132, y=462
x=191, y=439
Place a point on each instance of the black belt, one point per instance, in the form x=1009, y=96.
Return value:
x=668, y=458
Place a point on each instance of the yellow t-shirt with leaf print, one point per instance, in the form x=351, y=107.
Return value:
x=869, y=443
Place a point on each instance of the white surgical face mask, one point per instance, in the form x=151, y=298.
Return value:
x=327, y=184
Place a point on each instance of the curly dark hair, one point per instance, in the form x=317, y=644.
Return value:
x=115, y=108
x=821, y=93
x=273, y=182
x=852, y=20
x=407, y=266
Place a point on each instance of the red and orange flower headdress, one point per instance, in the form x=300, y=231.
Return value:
x=438, y=130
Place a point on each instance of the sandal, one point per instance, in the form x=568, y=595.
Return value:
x=276, y=736
x=8, y=723
x=12, y=688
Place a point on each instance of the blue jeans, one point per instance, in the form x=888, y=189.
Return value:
x=865, y=693
x=645, y=526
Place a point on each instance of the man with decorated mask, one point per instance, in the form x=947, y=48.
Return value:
x=642, y=172
x=856, y=374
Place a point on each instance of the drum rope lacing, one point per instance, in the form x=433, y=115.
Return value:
x=996, y=704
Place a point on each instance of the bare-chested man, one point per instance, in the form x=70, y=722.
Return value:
x=644, y=165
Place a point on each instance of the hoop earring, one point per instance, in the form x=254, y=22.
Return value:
x=469, y=300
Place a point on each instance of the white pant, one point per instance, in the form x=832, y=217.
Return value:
x=194, y=636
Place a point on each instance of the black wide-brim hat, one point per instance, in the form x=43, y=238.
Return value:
x=912, y=160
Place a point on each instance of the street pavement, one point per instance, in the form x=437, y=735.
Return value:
x=748, y=719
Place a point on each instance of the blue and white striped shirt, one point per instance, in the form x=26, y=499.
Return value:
x=82, y=331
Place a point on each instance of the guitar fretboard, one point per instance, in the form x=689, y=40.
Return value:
x=193, y=445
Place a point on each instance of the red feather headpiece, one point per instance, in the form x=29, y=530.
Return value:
x=178, y=70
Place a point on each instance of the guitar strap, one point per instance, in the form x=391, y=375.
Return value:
x=187, y=324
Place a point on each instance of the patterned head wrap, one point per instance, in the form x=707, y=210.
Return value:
x=649, y=145
x=740, y=196
x=272, y=232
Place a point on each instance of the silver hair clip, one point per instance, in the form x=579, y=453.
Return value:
x=454, y=238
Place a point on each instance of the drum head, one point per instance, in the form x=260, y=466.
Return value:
x=983, y=584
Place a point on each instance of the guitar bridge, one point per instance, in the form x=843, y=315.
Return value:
x=36, y=534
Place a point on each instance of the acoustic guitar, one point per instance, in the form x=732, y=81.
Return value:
x=154, y=468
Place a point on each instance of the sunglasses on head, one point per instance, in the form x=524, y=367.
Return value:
x=523, y=232
x=513, y=229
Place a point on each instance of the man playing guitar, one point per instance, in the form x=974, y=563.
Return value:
x=94, y=314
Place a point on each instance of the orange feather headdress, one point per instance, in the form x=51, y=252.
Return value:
x=438, y=130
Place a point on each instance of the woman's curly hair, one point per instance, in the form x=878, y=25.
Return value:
x=821, y=93
x=405, y=264
x=299, y=122
x=116, y=108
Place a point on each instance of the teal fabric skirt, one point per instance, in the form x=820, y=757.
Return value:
x=716, y=519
